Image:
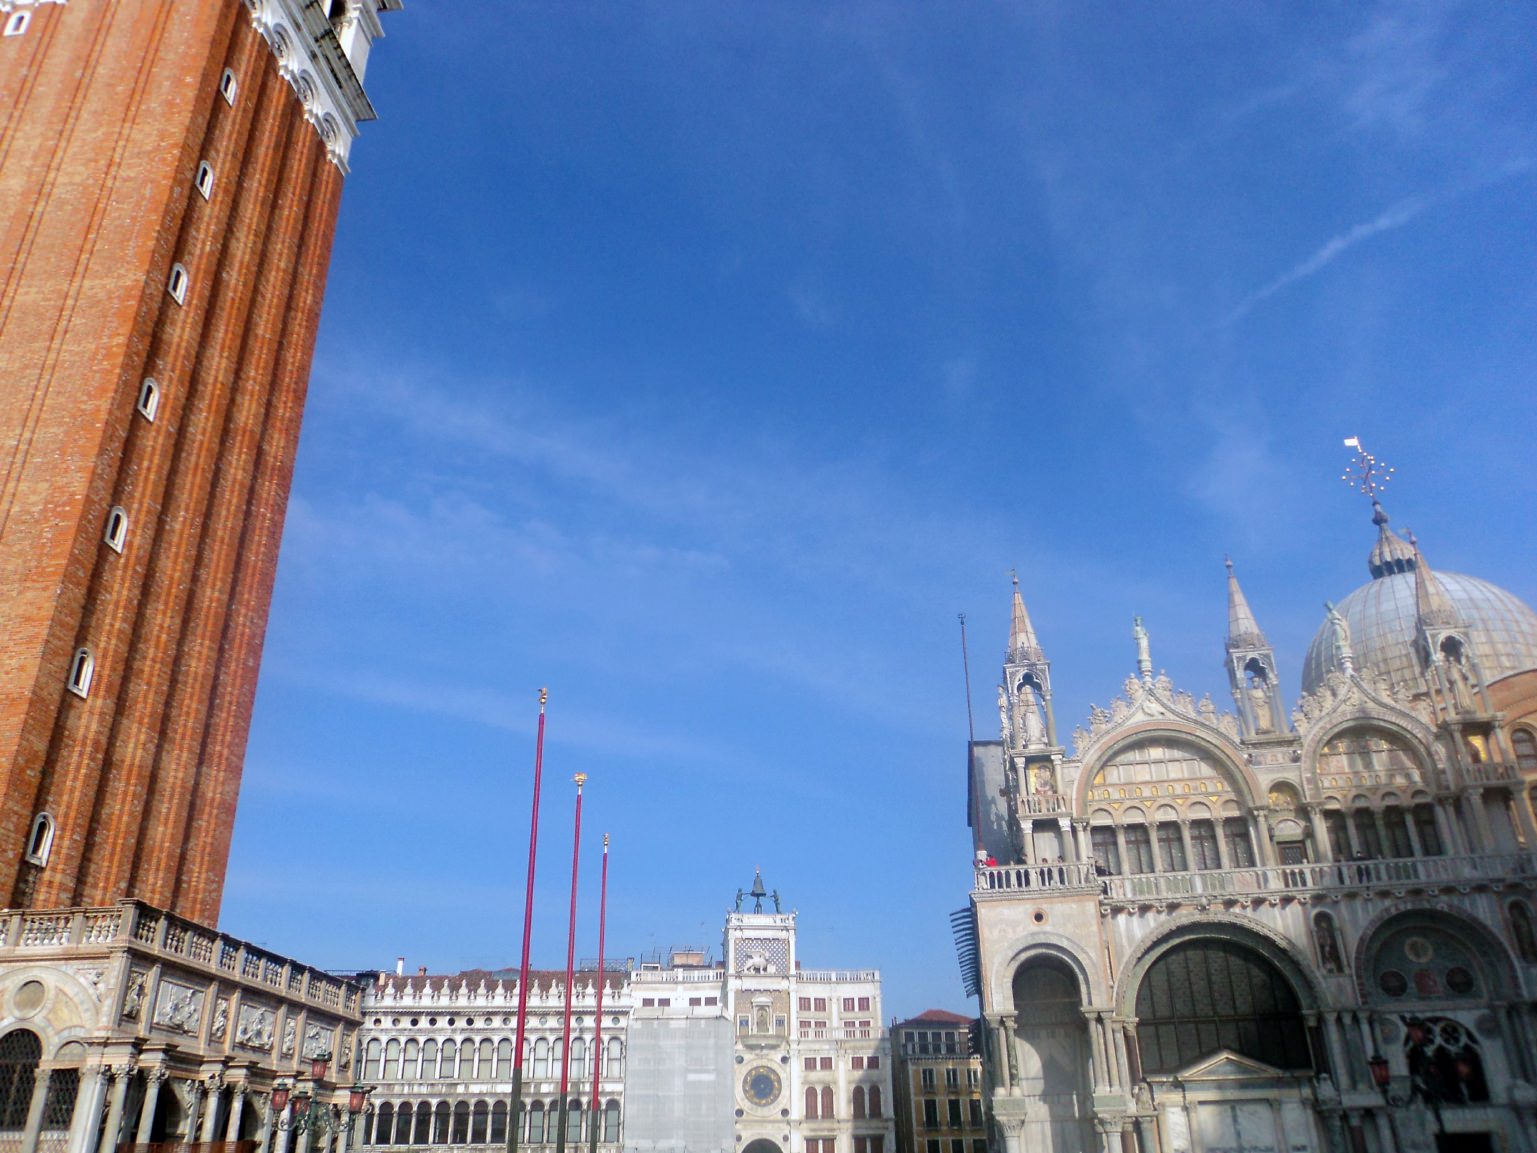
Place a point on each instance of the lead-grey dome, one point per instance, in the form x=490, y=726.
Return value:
x=1501, y=629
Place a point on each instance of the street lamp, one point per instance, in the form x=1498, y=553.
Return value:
x=309, y=1112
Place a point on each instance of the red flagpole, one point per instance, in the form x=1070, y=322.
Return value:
x=565, y=1032
x=513, y=1122
x=593, y=1112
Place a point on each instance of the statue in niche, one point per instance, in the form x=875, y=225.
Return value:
x=1259, y=700
x=1003, y=713
x=1027, y=717
x=220, y=1020
x=290, y=1036
x=1328, y=943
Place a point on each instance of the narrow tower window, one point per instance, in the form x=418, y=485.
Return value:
x=117, y=528
x=227, y=86
x=177, y=285
x=40, y=843
x=16, y=23
x=204, y=179
x=81, y=669
x=149, y=399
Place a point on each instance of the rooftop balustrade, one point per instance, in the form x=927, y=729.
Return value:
x=145, y=929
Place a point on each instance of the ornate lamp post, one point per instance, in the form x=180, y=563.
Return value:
x=309, y=1113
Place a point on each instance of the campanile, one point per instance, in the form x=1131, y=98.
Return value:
x=170, y=174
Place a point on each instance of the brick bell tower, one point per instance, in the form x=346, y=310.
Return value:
x=170, y=174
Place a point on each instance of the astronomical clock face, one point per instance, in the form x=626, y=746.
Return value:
x=761, y=1085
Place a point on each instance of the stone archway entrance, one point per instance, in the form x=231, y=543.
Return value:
x=762, y=1145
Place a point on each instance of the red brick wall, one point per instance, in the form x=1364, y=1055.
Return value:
x=107, y=110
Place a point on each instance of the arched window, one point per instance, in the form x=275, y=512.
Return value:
x=177, y=284
x=1425, y=826
x=149, y=400
x=20, y=1051
x=499, y=1123
x=541, y=1058
x=827, y=1102
x=1525, y=745
x=1206, y=995
x=574, y=1121
x=615, y=1059
x=1203, y=845
x=440, y=1123
x=811, y=1102
x=1171, y=848
x=40, y=842
x=203, y=181
x=486, y=1069
x=227, y=86
x=429, y=1059
x=423, y=1128
x=461, y=1131
x=16, y=23
x=1367, y=840
x=466, y=1060
x=611, y=1121
x=402, y=1121
x=1240, y=846
x=384, y=1124
x=479, y=1116
x=503, y=1060
x=578, y=1059
x=536, y=1123
x=875, y=1100
x=1395, y=823
x=81, y=670
x=391, y=1062
x=371, y=1060
x=859, y=1102
x=411, y=1062
x=447, y=1059
x=116, y=531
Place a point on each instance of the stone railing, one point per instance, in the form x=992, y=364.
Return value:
x=1491, y=773
x=677, y=976
x=1391, y=875
x=136, y=925
x=1063, y=877
x=835, y=975
x=1050, y=804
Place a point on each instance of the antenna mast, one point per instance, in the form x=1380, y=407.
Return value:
x=971, y=727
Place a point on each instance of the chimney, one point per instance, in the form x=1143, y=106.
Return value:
x=400, y=966
x=421, y=971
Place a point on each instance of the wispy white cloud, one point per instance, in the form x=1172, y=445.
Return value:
x=1331, y=250
x=809, y=298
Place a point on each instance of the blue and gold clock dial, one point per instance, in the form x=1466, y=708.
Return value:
x=761, y=1085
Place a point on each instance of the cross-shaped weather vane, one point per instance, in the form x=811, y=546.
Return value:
x=1366, y=472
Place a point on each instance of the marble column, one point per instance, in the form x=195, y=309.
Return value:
x=236, y=1108
x=153, y=1080
x=123, y=1075
x=88, y=1106
x=210, y=1118
x=34, y=1123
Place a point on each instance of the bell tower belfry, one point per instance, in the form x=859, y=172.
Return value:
x=1025, y=695
x=1251, y=668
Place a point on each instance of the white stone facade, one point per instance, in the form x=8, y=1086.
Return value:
x=439, y=1049
x=1201, y=931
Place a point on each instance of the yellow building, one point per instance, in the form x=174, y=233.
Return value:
x=938, y=1082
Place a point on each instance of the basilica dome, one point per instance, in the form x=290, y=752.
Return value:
x=1501, y=630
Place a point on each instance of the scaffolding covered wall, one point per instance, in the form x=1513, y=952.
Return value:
x=678, y=1092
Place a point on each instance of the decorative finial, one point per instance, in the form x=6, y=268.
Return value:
x=1227, y=559
x=1144, y=652
x=605, y=842
x=544, y=695
x=580, y=779
x=1366, y=473
x=1014, y=576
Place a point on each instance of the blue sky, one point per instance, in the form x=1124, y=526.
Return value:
x=702, y=361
